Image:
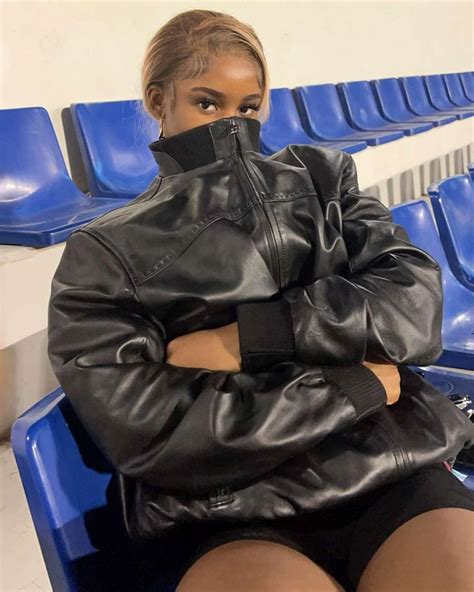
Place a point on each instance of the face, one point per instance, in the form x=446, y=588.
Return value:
x=229, y=88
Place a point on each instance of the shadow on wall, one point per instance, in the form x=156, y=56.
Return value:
x=76, y=166
x=25, y=377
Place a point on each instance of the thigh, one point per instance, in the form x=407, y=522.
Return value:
x=251, y=565
x=432, y=488
x=431, y=552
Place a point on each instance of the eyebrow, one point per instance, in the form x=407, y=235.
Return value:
x=219, y=95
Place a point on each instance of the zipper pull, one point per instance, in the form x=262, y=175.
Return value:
x=235, y=128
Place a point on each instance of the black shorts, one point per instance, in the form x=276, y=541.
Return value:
x=341, y=539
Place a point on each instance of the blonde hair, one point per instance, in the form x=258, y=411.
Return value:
x=183, y=47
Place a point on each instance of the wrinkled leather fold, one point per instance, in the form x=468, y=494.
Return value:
x=368, y=455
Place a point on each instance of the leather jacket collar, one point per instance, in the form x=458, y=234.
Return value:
x=205, y=144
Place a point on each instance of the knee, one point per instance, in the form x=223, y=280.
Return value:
x=255, y=565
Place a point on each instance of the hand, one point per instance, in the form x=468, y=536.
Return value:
x=390, y=378
x=213, y=349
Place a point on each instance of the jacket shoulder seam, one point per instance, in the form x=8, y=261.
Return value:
x=115, y=252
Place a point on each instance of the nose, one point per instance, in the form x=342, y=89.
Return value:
x=231, y=112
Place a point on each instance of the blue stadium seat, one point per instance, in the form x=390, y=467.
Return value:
x=455, y=91
x=465, y=473
x=458, y=301
x=113, y=139
x=70, y=491
x=467, y=80
x=283, y=127
x=418, y=101
x=392, y=104
x=453, y=205
x=39, y=203
x=73, y=503
x=361, y=108
x=323, y=118
x=438, y=97
x=450, y=382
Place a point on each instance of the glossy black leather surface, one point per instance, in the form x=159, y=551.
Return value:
x=223, y=227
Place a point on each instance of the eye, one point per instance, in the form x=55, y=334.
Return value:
x=252, y=107
x=205, y=104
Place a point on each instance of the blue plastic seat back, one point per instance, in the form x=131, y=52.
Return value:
x=39, y=203
x=458, y=301
x=449, y=382
x=283, y=125
x=391, y=99
x=393, y=103
x=453, y=204
x=417, y=96
x=323, y=117
x=467, y=80
x=416, y=219
x=114, y=138
x=438, y=93
x=321, y=111
x=455, y=90
x=73, y=502
x=33, y=175
x=59, y=485
x=361, y=105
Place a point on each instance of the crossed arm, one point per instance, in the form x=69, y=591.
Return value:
x=218, y=349
x=385, y=311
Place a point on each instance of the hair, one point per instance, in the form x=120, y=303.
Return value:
x=183, y=47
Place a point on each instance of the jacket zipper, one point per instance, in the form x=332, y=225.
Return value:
x=260, y=207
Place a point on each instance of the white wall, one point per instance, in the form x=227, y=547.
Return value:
x=56, y=53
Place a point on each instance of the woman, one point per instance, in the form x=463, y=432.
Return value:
x=232, y=340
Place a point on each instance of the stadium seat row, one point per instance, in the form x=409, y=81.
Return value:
x=453, y=203
x=40, y=205
x=351, y=115
x=452, y=200
x=315, y=115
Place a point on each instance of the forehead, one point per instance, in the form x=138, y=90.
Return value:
x=227, y=74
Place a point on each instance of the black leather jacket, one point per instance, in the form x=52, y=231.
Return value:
x=317, y=277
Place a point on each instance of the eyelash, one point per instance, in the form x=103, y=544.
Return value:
x=210, y=102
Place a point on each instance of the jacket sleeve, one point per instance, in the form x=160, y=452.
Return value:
x=386, y=305
x=182, y=429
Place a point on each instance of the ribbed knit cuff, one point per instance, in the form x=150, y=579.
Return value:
x=265, y=334
x=360, y=384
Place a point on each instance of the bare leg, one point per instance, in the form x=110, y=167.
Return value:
x=255, y=566
x=430, y=553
